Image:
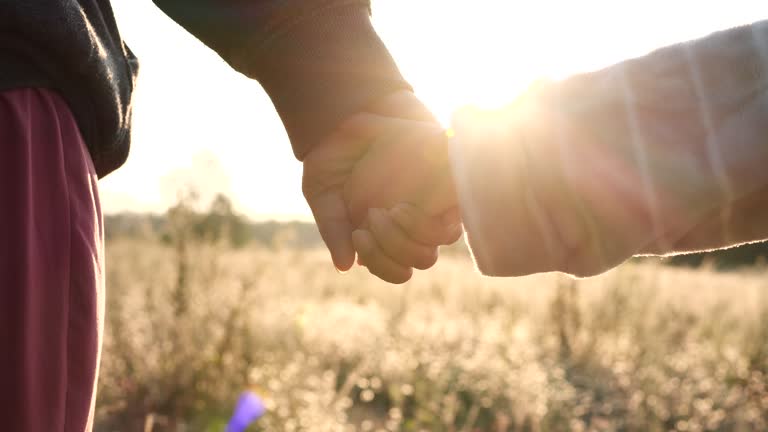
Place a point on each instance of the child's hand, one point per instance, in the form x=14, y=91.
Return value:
x=395, y=241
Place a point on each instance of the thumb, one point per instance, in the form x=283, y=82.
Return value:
x=335, y=228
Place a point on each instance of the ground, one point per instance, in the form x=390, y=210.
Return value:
x=645, y=347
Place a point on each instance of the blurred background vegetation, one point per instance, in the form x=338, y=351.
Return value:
x=220, y=222
x=202, y=304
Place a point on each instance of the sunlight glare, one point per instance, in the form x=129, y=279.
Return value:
x=487, y=52
x=454, y=53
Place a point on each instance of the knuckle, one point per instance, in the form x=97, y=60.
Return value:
x=349, y=124
x=453, y=238
x=426, y=259
x=352, y=125
x=368, y=256
x=389, y=275
x=401, y=278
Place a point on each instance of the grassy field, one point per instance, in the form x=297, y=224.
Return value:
x=643, y=348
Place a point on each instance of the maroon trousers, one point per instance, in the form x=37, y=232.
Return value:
x=51, y=267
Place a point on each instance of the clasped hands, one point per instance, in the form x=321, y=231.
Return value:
x=549, y=194
x=380, y=188
x=554, y=184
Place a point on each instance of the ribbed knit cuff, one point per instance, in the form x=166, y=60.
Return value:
x=329, y=65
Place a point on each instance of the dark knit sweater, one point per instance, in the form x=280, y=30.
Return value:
x=319, y=60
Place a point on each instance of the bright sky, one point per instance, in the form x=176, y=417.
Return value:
x=198, y=122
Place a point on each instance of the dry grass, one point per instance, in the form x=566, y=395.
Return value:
x=643, y=348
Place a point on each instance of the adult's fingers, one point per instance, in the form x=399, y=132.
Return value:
x=425, y=229
x=378, y=263
x=332, y=220
x=396, y=244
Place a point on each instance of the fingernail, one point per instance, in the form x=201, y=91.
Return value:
x=362, y=241
x=340, y=271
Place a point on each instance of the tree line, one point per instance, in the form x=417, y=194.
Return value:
x=221, y=223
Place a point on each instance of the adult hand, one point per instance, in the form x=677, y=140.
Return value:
x=409, y=167
x=330, y=166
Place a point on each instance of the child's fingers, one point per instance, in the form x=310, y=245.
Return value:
x=395, y=243
x=377, y=262
x=425, y=229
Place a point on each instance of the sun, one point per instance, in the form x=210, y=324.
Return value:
x=458, y=53
x=453, y=52
x=486, y=52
